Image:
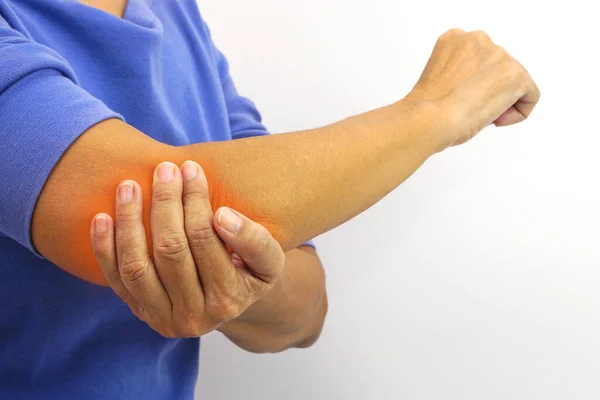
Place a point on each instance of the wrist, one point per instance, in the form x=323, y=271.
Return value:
x=426, y=121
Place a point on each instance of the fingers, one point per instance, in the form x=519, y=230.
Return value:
x=209, y=252
x=135, y=266
x=251, y=242
x=188, y=253
x=172, y=255
x=102, y=234
x=528, y=102
x=218, y=275
x=521, y=110
x=510, y=117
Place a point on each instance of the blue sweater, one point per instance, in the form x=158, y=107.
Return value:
x=64, y=67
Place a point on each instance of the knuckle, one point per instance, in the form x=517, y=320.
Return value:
x=189, y=327
x=454, y=32
x=164, y=195
x=261, y=235
x=255, y=252
x=514, y=72
x=171, y=245
x=229, y=310
x=125, y=220
x=134, y=269
x=536, y=90
x=259, y=242
x=450, y=35
x=167, y=332
x=102, y=253
x=199, y=235
x=522, y=76
x=164, y=327
x=194, y=191
x=224, y=308
x=178, y=333
x=501, y=53
x=480, y=35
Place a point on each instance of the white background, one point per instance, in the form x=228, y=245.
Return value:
x=477, y=278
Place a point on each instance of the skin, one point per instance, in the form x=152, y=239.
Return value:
x=187, y=290
x=291, y=314
x=115, y=7
x=295, y=185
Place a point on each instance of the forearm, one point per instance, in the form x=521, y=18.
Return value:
x=298, y=185
x=289, y=315
x=302, y=184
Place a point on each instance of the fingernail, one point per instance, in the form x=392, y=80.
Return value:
x=166, y=172
x=229, y=221
x=126, y=192
x=101, y=224
x=189, y=170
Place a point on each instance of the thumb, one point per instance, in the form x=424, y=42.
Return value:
x=252, y=242
x=510, y=117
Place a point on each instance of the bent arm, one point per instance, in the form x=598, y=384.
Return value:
x=298, y=185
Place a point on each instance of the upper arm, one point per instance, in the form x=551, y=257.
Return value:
x=42, y=111
x=66, y=152
x=83, y=183
x=63, y=154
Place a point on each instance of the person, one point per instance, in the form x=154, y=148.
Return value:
x=123, y=114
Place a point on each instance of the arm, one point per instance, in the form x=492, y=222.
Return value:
x=192, y=284
x=297, y=185
x=466, y=97
x=291, y=314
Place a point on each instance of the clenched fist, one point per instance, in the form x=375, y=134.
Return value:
x=474, y=83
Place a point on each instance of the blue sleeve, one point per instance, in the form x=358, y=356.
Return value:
x=244, y=118
x=42, y=111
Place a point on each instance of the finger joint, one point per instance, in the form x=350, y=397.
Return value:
x=201, y=237
x=225, y=308
x=134, y=269
x=171, y=245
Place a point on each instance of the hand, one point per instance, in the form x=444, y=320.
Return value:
x=191, y=284
x=475, y=83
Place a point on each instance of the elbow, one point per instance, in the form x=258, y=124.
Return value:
x=313, y=334
x=262, y=348
x=309, y=341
